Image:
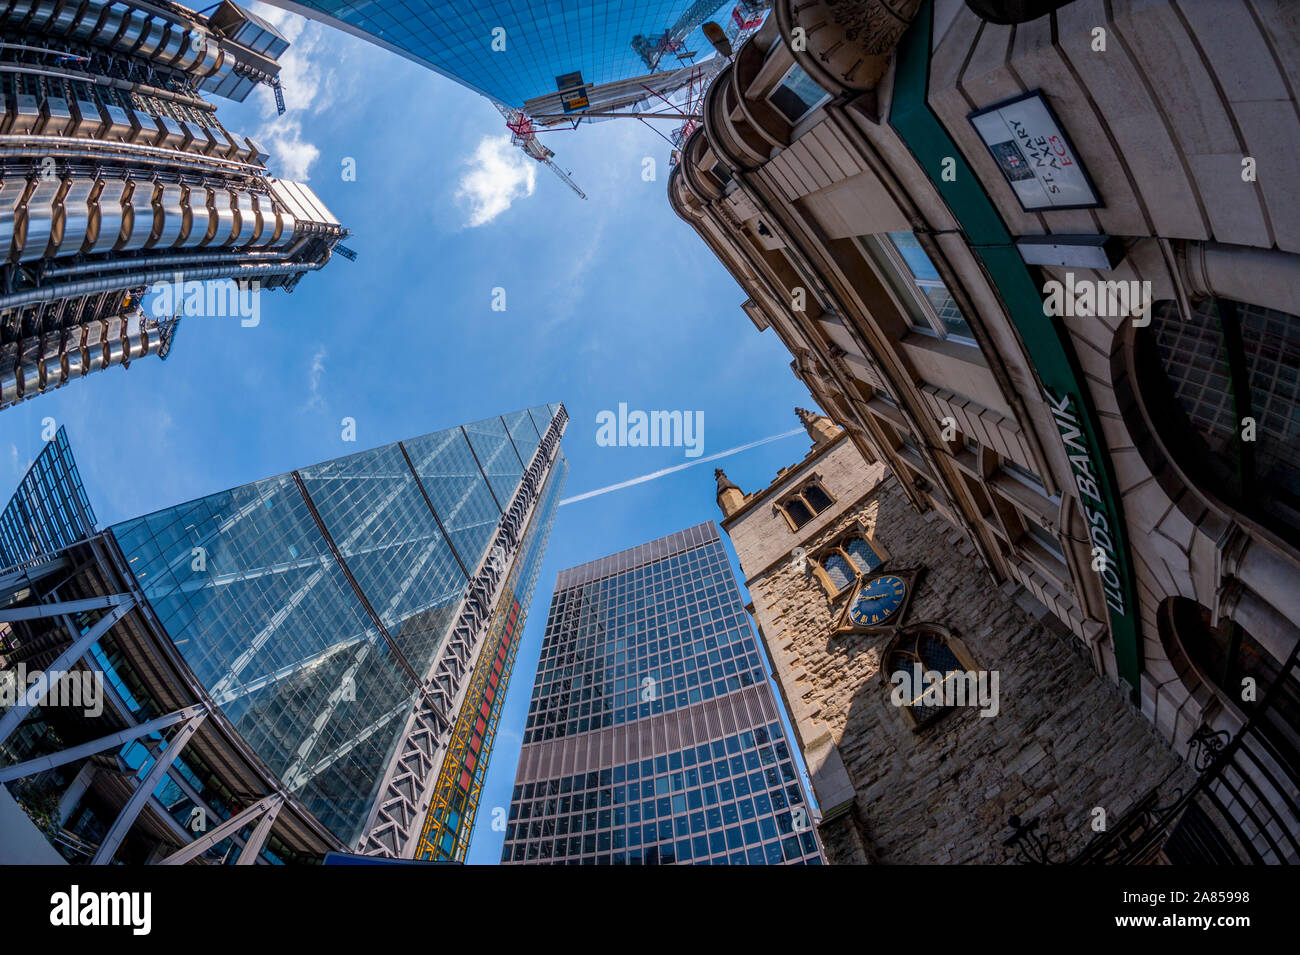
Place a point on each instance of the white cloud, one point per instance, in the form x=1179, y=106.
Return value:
x=291, y=155
x=315, y=400
x=498, y=174
x=302, y=78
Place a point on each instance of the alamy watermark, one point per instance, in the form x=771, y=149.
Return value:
x=77, y=689
x=214, y=298
x=1095, y=298
x=921, y=687
x=651, y=429
x=76, y=907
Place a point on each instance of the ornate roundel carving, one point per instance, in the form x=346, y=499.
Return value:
x=848, y=42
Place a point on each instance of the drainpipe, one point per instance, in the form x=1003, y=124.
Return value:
x=25, y=147
x=52, y=293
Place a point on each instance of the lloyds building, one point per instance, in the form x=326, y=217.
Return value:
x=313, y=662
x=116, y=175
x=653, y=736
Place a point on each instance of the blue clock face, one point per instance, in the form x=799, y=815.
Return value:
x=878, y=600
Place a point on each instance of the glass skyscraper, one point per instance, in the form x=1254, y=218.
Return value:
x=351, y=625
x=549, y=45
x=653, y=736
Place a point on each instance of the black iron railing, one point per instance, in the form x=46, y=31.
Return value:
x=1244, y=806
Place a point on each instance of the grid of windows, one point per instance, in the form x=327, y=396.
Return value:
x=270, y=593
x=543, y=39
x=657, y=629
x=734, y=801
x=1226, y=363
x=647, y=640
x=49, y=510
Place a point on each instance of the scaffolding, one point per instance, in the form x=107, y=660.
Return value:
x=675, y=94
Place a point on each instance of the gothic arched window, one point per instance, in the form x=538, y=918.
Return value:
x=805, y=503
x=864, y=557
x=817, y=499
x=845, y=559
x=798, y=512
x=837, y=569
x=916, y=651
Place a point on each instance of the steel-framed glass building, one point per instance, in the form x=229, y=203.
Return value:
x=337, y=640
x=653, y=736
x=547, y=43
x=117, y=175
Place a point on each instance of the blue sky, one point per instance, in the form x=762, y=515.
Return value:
x=609, y=300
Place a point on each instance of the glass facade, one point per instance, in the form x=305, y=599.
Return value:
x=49, y=510
x=311, y=605
x=544, y=40
x=652, y=698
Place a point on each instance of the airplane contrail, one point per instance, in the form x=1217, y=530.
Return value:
x=658, y=474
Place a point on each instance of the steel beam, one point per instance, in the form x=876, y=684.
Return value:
x=16, y=580
x=266, y=806
x=15, y=715
x=38, y=611
x=257, y=838
x=41, y=763
x=126, y=818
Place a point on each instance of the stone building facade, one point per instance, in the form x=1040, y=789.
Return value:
x=1061, y=745
x=1041, y=260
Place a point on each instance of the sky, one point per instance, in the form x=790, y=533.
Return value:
x=607, y=301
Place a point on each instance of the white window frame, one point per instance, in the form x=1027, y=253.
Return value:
x=781, y=82
x=921, y=316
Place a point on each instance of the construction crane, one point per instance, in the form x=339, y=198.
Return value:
x=653, y=49
x=523, y=135
x=630, y=97
x=744, y=21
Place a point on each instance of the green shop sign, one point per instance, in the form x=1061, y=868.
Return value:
x=1046, y=340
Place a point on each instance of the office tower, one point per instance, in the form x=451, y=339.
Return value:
x=545, y=46
x=116, y=175
x=1079, y=357
x=328, y=650
x=653, y=736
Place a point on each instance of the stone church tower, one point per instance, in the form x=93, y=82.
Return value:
x=850, y=585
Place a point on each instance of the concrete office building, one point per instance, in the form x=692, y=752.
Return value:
x=653, y=736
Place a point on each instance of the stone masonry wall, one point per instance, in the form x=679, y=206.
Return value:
x=1062, y=743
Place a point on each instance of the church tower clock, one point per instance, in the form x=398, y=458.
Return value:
x=922, y=693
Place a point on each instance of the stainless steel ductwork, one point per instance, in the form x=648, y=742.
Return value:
x=36, y=365
x=116, y=175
